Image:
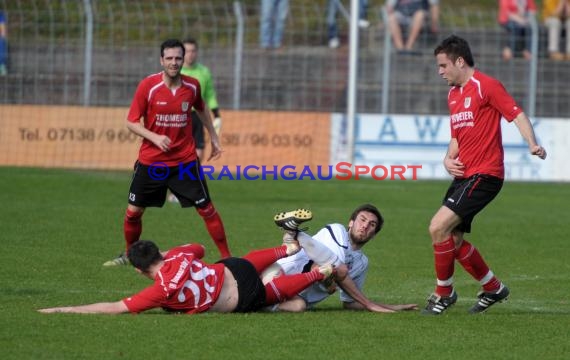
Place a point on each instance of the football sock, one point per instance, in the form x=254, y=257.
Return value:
x=132, y=227
x=472, y=261
x=444, y=254
x=215, y=228
x=261, y=259
x=285, y=287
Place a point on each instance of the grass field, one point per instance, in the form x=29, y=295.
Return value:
x=59, y=226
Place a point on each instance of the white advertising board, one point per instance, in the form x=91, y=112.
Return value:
x=422, y=140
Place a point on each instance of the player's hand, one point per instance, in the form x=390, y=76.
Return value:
x=217, y=125
x=538, y=151
x=162, y=142
x=454, y=167
x=378, y=308
x=216, y=149
x=405, y=307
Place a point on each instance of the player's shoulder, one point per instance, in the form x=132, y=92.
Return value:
x=188, y=80
x=485, y=79
x=151, y=80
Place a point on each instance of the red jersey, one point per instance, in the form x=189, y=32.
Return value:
x=167, y=112
x=476, y=110
x=183, y=284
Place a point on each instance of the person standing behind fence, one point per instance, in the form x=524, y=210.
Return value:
x=477, y=103
x=411, y=14
x=514, y=17
x=3, y=45
x=273, y=16
x=167, y=156
x=332, y=29
x=556, y=15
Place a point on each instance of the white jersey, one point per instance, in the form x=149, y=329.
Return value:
x=334, y=237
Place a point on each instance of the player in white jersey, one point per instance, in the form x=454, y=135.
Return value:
x=336, y=245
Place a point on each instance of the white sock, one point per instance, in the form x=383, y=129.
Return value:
x=316, y=251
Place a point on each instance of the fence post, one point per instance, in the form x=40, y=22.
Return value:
x=88, y=52
x=386, y=63
x=238, y=54
x=533, y=67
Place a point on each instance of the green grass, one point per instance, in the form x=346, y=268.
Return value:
x=59, y=226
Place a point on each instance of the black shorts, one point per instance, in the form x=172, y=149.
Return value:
x=251, y=291
x=197, y=131
x=149, y=185
x=466, y=197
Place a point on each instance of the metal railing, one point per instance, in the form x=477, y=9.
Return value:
x=96, y=51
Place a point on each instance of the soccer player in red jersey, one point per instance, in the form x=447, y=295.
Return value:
x=477, y=102
x=183, y=283
x=167, y=156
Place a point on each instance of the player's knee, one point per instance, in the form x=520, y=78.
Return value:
x=133, y=215
x=341, y=272
x=207, y=211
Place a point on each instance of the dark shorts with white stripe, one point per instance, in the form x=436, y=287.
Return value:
x=251, y=291
x=466, y=197
x=149, y=185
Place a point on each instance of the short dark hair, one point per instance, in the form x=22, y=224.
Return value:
x=143, y=254
x=455, y=47
x=371, y=209
x=190, y=40
x=171, y=43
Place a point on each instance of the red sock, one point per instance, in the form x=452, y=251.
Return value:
x=444, y=254
x=261, y=259
x=472, y=261
x=132, y=227
x=285, y=287
x=215, y=228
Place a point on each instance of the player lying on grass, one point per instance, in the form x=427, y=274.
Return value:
x=335, y=245
x=184, y=283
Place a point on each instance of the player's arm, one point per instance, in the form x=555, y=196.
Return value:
x=210, y=98
x=527, y=132
x=206, y=120
x=349, y=286
x=117, y=307
x=451, y=162
x=161, y=141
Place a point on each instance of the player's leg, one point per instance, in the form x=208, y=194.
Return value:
x=144, y=191
x=484, y=190
x=286, y=287
x=441, y=226
x=262, y=259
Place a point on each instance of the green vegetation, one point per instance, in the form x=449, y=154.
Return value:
x=59, y=226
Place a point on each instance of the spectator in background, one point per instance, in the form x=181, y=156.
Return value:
x=410, y=14
x=3, y=45
x=514, y=16
x=273, y=16
x=333, y=7
x=556, y=13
